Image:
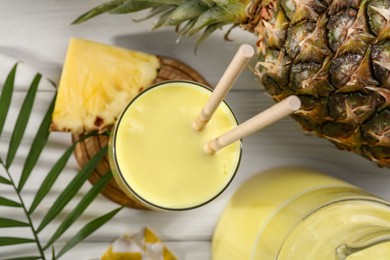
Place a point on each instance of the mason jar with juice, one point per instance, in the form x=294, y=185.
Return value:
x=294, y=213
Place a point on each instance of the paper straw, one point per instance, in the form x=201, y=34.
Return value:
x=236, y=66
x=261, y=120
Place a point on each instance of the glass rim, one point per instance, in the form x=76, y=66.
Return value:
x=118, y=169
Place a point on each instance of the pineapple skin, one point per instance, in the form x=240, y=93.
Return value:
x=97, y=82
x=333, y=54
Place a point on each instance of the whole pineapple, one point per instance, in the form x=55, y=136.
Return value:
x=333, y=54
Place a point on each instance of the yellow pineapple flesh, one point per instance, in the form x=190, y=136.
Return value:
x=97, y=82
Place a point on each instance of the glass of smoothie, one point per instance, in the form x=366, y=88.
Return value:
x=156, y=156
x=295, y=213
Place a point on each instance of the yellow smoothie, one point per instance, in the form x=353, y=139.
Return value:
x=159, y=157
x=296, y=214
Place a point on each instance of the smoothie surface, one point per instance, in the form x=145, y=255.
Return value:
x=161, y=156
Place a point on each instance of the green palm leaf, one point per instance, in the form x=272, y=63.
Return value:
x=9, y=203
x=7, y=222
x=51, y=177
x=39, y=142
x=4, y=180
x=21, y=122
x=6, y=96
x=80, y=208
x=9, y=241
x=37, y=146
x=68, y=193
x=25, y=258
x=87, y=230
x=53, y=174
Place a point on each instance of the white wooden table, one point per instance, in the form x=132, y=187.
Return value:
x=37, y=33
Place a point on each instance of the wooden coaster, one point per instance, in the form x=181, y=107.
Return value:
x=170, y=69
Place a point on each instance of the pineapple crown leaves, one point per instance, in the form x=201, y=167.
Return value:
x=189, y=16
x=7, y=178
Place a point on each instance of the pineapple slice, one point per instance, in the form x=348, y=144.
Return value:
x=97, y=82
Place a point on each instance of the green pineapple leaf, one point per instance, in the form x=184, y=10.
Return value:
x=40, y=141
x=132, y=6
x=105, y=7
x=194, y=16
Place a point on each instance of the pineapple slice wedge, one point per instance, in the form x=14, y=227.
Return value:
x=97, y=82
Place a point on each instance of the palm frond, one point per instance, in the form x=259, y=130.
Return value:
x=53, y=174
x=51, y=177
x=7, y=222
x=71, y=189
x=21, y=122
x=87, y=230
x=8, y=241
x=4, y=180
x=24, y=258
x=6, y=97
x=80, y=208
x=9, y=203
x=40, y=141
x=37, y=146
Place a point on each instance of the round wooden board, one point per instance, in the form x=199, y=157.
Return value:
x=170, y=69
